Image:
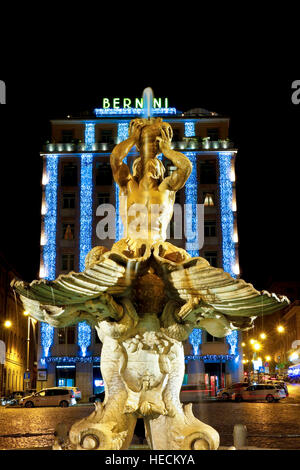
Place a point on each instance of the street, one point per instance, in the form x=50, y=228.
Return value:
x=265, y=421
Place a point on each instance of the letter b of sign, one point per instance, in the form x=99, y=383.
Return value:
x=2, y=92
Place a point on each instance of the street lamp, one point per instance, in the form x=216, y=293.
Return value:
x=7, y=324
x=294, y=357
x=27, y=379
x=263, y=336
x=280, y=329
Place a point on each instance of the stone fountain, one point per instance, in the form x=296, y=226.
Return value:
x=144, y=297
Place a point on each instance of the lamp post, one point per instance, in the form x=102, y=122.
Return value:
x=27, y=378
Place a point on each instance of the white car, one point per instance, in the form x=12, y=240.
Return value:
x=76, y=391
x=226, y=393
x=270, y=393
x=56, y=396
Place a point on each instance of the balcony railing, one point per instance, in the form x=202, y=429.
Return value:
x=107, y=147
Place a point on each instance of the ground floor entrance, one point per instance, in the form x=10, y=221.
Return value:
x=66, y=375
x=214, y=377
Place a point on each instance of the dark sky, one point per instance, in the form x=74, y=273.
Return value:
x=265, y=127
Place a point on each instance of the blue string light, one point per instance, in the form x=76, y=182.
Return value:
x=210, y=358
x=47, y=336
x=100, y=112
x=49, y=249
x=89, y=136
x=86, y=220
x=50, y=220
x=195, y=340
x=84, y=337
x=123, y=128
x=189, y=129
x=191, y=215
x=227, y=221
x=232, y=340
x=86, y=208
x=71, y=359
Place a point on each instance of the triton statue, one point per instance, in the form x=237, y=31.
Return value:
x=144, y=297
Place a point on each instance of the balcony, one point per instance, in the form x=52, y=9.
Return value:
x=77, y=148
x=186, y=144
x=202, y=145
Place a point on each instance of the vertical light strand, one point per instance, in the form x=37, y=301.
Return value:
x=47, y=336
x=123, y=128
x=86, y=196
x=50, y=219
x=191, y=213
x=89, y=136
x=232, y=340
x=195, y=340
x=84, y=337
x=86, y=219
x=189, y=129
x=49, y=249
x=86, y=208
x=226, y=213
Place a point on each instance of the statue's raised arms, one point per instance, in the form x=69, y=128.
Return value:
x=146, y=196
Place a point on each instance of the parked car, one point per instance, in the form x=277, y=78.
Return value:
x=279, y=384
x=18, y=395
x=7, y=401
x=55, y=396
x=13, y=398
x=76, y=391
x=270, y=393
x=226, y=393
x=97, y=397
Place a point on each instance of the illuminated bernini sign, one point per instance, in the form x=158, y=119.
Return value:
x=127, y=103
x=128, y=106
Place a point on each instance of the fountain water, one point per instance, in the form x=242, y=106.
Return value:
x=147, y=102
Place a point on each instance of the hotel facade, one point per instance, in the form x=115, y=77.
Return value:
x=77, y=181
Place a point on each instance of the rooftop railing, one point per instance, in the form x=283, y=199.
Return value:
x=186, y=144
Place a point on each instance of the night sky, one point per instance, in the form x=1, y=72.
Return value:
x=264, y=126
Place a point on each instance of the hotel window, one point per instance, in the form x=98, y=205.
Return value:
x=69, y=174
x=209, y=199
x=211, y=257
x=68, y=231
x=66, y=375
x=176, y=135
x=107, y=136
x=213, y=133
x=209, y=228
x=212, y=339
x=103, y=198
x=208, y=174
x=68, y=201
x=67, y=136
x=66, y=335
x=67, y=262
x=103, y=174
